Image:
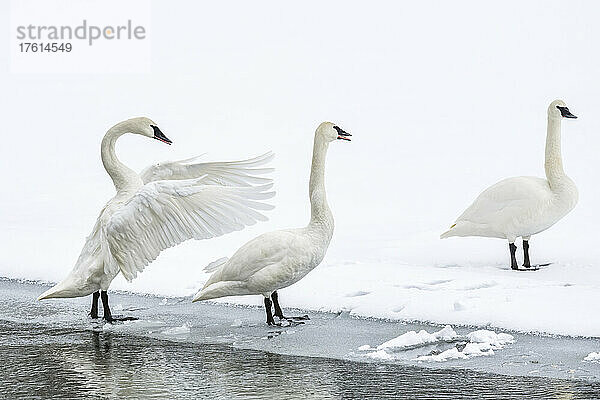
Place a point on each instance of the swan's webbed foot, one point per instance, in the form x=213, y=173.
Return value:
x=298, y=318
x=287, y=322
x=118, y=318
x=304, y=317
x=526, y=261
x=279, y=312
x=534, y=267
x=513, y=256
x=108, y=317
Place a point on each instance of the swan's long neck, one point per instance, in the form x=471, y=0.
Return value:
x=122, y=176
x=320, y=214
x=553, y=164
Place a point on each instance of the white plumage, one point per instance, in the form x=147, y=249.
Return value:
x=279, y=259
x=269, y=262
x=167, y=204
x=523, y=206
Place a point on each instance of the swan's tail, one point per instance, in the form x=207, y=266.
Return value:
x=450, y=232
x=65, y=288
x=468, y=228
x=221, y=289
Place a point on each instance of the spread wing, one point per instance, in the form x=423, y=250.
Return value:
x=162, y=214
x=229, y=173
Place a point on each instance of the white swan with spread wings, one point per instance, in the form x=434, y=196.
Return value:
x=163, y=206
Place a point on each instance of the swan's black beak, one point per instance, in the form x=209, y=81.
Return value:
x=158, y=135
x=564, y=111
x=342, y=135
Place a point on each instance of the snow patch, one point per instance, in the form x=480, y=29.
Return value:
x=593, y=356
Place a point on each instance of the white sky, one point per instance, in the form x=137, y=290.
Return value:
x=443, y=100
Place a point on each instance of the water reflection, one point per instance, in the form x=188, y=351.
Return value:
x=59, y=363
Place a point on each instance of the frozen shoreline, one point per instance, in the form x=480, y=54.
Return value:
x=560, y=299
x=326, y=335
x=391, y=276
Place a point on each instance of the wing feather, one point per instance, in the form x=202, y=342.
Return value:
x=227, y=173
x=162, y=214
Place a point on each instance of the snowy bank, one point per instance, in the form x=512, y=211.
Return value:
x=558, y=299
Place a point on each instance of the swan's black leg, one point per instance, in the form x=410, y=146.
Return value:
x=94, y=311
x=279, y=313
x=513, y=256
x=526, y=262
x=270, y=320
x=107, y=314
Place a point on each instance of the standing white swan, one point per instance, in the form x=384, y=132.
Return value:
x=164, y=206
x=278, y=259
x=523, y=206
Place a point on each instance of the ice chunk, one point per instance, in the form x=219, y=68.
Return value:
x=478, y=349
x=496, y=340
x=470, y=350
x=237, y=323
x=481, y=343
x=593, y=356
x=413, y=338
x=450, y=354
x=380, y=355
x=478, y=343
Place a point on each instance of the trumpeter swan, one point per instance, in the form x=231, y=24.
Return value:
x=164, y=206
x=523, y=206
x=279, y=259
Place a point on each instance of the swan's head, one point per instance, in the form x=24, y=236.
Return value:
x=145, y=127
x=558, y=109
x=330, y=132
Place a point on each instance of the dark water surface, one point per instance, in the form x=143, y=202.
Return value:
x=42, y=363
